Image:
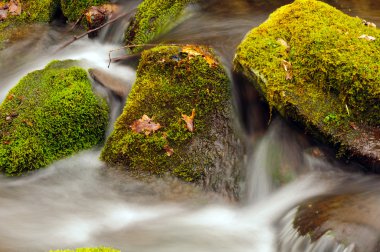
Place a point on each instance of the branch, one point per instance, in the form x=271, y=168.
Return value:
x=75, y=38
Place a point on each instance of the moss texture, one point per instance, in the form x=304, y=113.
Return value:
x=153, y=17
x=88, y=250
x=171, y=83
x=50, y=114
x=310, y=64
x=73, y=9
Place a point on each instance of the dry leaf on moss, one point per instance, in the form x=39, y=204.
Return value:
x=288, y=69
x=169, y=151
x=194, y=51
x=145, y=125
x=189, y=120
x=14, y=7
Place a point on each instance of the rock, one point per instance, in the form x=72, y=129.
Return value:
x=74, y=9
x=152, y=19
x=50, y=114
x=115, y=84
x=310, y=64
x=96, y=16
x=152, y=137
x=347, y=218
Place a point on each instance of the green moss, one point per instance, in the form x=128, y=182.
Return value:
x=88, y=250
x=50, y=114
x=170, y=82
x=334, y=78
x=153, y=18
x=73, y=9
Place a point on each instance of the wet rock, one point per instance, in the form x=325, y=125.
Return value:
x=176, y=86
x=118, y=86
x=96, y=16
x=347, y=218
x=310, y=64
x=152, y=19
x=51, y=114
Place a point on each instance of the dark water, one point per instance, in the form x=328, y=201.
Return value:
x=77, y=202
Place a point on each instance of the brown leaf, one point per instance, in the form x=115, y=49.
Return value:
x=10, y=97
x=288, y=69
x=14, y=7
x=189, y=120
x=353, y=125
x=169, y=151
x=145, y=125
x=194, y=51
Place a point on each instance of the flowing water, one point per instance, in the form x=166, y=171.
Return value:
x=78, y=202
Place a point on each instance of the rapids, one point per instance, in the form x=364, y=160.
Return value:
x=78, y=202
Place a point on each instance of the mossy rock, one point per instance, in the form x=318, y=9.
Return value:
x=313, y=64
x=73, y=9
x=50, y=114
x=88, y=250
x=173, y=82
x=31, y=11
x=153, y=18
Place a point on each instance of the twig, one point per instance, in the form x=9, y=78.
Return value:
x=92, y=30
x=77, y=22
x=117, y=59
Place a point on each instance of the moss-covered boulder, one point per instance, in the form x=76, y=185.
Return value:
x=178, y=120
x=30, y=11
x=74, y=9
x=319, y=67
x=153, y=18
x=50, y=114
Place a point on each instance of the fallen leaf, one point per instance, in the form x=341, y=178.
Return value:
x=10, y=97
x=14, y=7
x=367, y=37
x=284, y=44
x=3, y=14
x=145, y=125
x=193, y=51
x=288, y=69
x=353, y=125
x=169, y=151
x=189, y=120
x=369, y=24
x=27, y=122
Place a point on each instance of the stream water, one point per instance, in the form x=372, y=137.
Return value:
x=78, y=202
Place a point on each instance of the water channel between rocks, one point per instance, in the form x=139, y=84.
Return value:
x=77, y=202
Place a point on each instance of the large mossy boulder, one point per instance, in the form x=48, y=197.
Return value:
x=319, y=67
x=50, y=114
x=153, y=18
x=178, y=120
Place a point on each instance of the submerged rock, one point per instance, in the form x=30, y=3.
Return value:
x=178, y=120
x=152, y=19
x=312, y=64
x=50, y=114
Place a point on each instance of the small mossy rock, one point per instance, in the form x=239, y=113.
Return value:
x=74, y=9
x=153, y=18
x=31, y=11
x=173, y=84
x=319, y=67
x=50, y=114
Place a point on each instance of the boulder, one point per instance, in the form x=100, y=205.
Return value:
x=152, y=19
x=178, y=120
x=50, y=114
x=319, y=67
